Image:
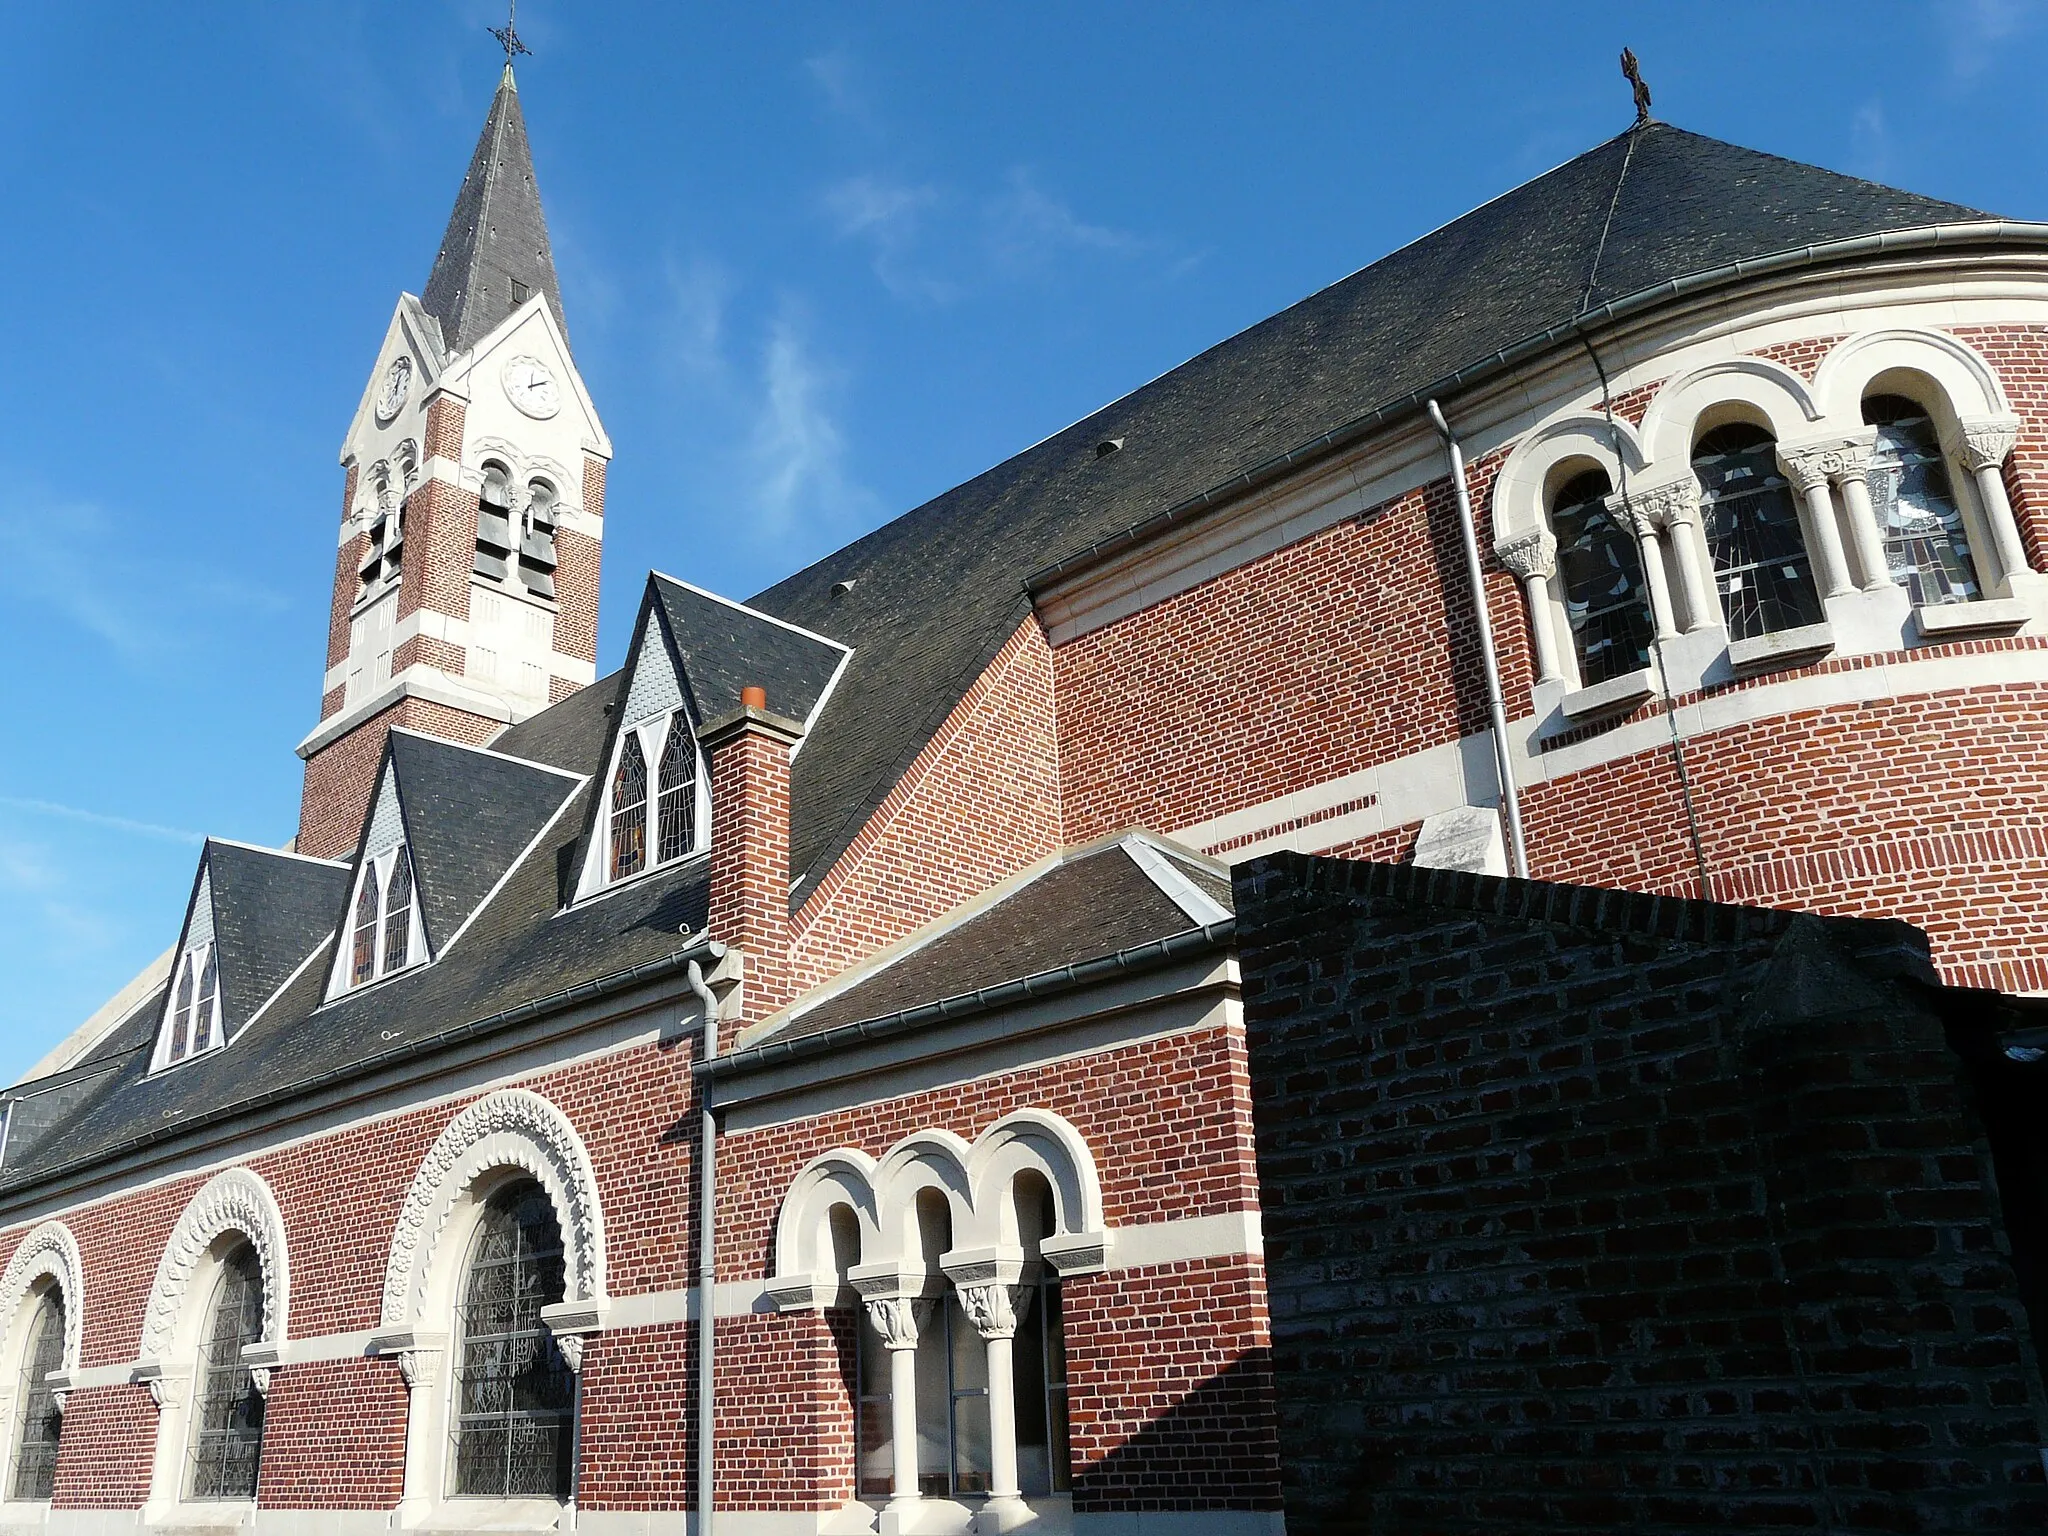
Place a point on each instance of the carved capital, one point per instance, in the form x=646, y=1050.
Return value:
x=1670, y=504
x=1529, y=554
x=1987, y=440
x=59, y=1399
x=1629, y=512
x=259, y=1377
x=897, y=1319
x=157, y=1393
x=421, y=1368
x=1804, y=467
x=996, y=1309
x=571, y=1346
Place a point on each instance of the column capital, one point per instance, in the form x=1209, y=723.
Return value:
x=1987, y=440
x=1670, y=502
x=1837, y=457
x=1533, y=553
x=994, y=1308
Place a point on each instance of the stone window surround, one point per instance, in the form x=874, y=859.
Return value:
x=233, y=1207
x=46, y=1259
x=986, y=1264
x=215, y=1036
x=1824, y=448
x=378, y=865
x=510, y=1133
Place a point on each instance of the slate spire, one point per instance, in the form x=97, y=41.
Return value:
x=495, y=253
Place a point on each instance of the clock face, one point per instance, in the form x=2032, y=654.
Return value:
x=397, y=383
x=530, y=387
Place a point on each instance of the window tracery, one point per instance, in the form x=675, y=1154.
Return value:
x=192, y=1014
x=629, y=810
x=42, y=1412
x=1927, y=549
x=385, y=932
x=227, y=1430
x=1601, y=569
x=672, y=797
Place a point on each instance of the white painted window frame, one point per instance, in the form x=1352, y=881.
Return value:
x=653, y=732
x=341, y=978
x=194, y=961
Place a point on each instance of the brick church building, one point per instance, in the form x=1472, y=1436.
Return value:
x=812, y=1058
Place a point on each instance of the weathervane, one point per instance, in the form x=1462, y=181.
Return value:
x=1634, y=74
x=508, y=35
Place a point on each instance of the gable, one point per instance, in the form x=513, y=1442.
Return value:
x=725, y=646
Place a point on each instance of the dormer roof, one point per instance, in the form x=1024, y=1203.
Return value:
x=497, y=235
x=269, y=911
x=466, y=813
x=722, y=646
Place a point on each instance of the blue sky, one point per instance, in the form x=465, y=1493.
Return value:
x=820, y=262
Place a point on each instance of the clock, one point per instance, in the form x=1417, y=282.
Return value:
x=397, y=384
x=530, y=387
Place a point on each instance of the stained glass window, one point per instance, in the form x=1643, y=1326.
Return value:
x=1752, y=524
x=363, y=962
x=515, y=1396
x=1039, y=1357
x=1601, y=572
x=35, y=1455
x=398, y=912
x=677, y=807
x=629, y=810
x=181, y=1012
x=208, y=1004
x=1926, y=547
x=227, y=1437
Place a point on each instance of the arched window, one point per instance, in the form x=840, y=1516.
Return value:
x=1601, y=571
x=1040, y=1368
x=209, y=1002
x=363, y=958
x=537, y=540
x=1761, y=566
x=515, y=1396
x=398, y=913
x=677, y=806
x=227, y=1432
x=629, y=810
x=1926, y=547
x=35, y=1450
x=494, y=523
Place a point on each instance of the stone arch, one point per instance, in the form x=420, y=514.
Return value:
x=236, y=1200
x=922, y=1160
x=802, y=1237
x=48, y=1252
x=1968, y=383
x=1766, y=389
x=514, y=1128
x=1041, y=1142
x=1521, y=490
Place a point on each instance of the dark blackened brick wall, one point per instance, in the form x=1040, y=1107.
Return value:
x=1595, y=1211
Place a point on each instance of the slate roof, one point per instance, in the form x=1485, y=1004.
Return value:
x=1083, y=906
x=937, y=591
x=724, y=648
x=269, y=910
x=935, y=594
x=497, y=234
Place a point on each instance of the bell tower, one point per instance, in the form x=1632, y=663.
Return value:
x=472, y=516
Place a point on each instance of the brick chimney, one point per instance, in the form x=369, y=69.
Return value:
x=748, y=752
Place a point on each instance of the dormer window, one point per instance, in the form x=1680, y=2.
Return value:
x=675, y=801
x=384, y=929
x=192, y=1013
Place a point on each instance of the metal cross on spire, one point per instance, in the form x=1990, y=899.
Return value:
x=1633, y=72
x=508, y=35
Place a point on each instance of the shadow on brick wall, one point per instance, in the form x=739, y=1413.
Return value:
x=1594, y=1211
x=1211, y=1449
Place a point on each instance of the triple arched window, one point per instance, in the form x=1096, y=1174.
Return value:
x=34, y=1475
x=385, y=935
x=656, y=817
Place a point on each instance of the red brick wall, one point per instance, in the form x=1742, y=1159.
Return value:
x=106, y=1450
x=979, y=803
x=428, y=650
x=334, y=1436
x=1802, y=355
x=2019, y=354
x=445, y=417
x=578, y=561
x=348, y=578
x=440, y=550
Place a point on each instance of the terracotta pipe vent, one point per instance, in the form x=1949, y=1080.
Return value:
x=753, y=698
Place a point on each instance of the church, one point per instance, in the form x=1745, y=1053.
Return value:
x=798, y=1082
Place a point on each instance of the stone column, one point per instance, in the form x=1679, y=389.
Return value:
x=1674, y=509
x=992, y=1293
x=1848, y=465
x=1629, y=512
x=1809, y=477
x=1532, y=556
x=896, y=1318
x=420, y=1365
x=1986, y=442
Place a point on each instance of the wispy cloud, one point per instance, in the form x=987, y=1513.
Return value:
x=797, y=448
x=699, y=292
x=840, y=83
x=1870, y=142
x=37, y=885
x=887, y=215
x=1029, y=228
x=99, y=819
x=1977, y=31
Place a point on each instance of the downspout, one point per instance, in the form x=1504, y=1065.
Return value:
x=707, y=1255
x=1503, y=764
